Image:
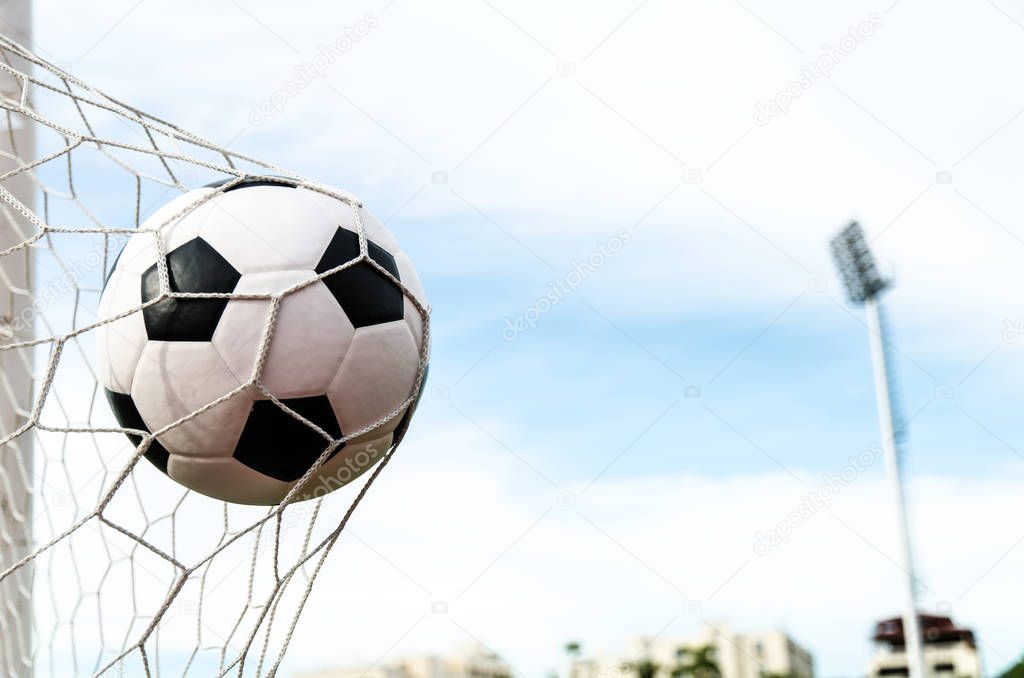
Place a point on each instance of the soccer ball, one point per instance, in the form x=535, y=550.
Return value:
x=231, y=382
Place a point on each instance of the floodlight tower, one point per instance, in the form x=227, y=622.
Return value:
x=863, y=284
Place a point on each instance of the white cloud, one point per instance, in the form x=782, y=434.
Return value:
x=523, y=565
x=629, y=554
x=586, y=154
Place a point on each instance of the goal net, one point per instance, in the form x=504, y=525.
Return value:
x=107, y=567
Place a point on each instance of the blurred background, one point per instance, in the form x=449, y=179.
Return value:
x=650, y=412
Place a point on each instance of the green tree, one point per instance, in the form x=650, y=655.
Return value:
x=645, y=668
x=572, y=649
x=1015, y=671
x=696, y=662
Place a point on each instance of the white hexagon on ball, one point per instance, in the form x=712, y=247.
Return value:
x=311, y=334
x=387, y=356
x=120, y=342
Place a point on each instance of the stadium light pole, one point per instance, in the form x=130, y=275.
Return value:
x=863, y=284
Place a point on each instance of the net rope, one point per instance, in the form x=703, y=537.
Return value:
x=107, y=567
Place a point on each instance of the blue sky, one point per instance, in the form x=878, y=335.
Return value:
x=719, y=289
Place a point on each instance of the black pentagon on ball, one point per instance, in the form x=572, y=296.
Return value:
x=192, y=267
x=277, y=444
x=366, y=294
x=249, y=183
x=128, y=416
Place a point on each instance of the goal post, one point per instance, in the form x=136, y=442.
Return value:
x=16, y=462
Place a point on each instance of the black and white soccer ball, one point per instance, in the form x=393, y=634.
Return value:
x=344, y=353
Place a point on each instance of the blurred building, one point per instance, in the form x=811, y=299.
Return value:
x=949, y=651
x=471, y=662
x=737, y=655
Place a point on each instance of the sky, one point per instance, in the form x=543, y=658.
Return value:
x=642, y=359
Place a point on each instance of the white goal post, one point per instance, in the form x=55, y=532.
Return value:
x=16, y=463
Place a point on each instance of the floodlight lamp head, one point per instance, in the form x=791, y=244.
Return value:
x=856, y=265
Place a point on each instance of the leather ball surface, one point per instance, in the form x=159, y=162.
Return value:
x=343, y=352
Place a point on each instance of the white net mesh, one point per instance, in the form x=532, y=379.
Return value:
x=106, y=566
